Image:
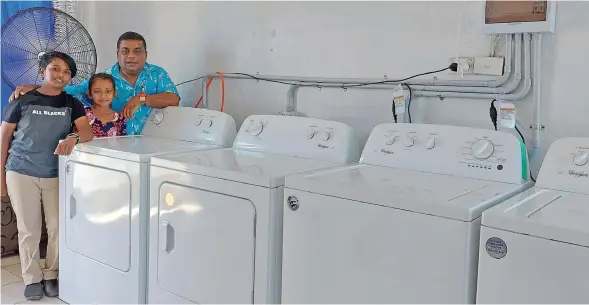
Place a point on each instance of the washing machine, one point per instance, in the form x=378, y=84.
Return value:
x=403, y=225
x=534, y=247
x=216, y=216
x=104, y=206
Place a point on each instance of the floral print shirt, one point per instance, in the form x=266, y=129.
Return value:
x=113, y=128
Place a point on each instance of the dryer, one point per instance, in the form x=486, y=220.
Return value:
x=216, y=216
x=104, y=207
x=534, y=247
x=403, y=225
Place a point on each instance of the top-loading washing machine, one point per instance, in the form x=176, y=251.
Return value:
x=104, y=204
x=535, y=247
x=403, y=225
x=216, y=216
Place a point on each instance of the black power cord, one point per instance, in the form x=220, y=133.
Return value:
x=394, y=111
x=452, y=67
x=409, y=101
x=493, y=115
x=189, y=81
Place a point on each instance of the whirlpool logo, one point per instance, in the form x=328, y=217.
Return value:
x=387, y=152
x=322, y=146
x=578, y=174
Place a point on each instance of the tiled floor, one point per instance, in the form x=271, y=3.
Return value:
x=13, y=286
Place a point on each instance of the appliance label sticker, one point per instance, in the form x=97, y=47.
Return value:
x=496, y=247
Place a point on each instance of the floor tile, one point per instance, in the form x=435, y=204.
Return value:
x=10, y=260
x=13, y=293
x=8, y=277
x=15, y=269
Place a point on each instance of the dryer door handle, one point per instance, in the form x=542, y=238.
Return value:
x=167, y=237
x=73, y=205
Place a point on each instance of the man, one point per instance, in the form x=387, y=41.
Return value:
x=140, y=86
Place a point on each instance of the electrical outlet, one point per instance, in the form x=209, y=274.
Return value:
x=466, y=64
x=488, y=66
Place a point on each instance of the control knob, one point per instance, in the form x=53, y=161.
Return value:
x=482, y=149
x=326, y=135
x=409, y=141
x=390, y=140
x=158, y=117
x=581, y=159
x=430, y=143
x=256, y=128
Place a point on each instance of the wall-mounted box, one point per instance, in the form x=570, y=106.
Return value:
x=503, y=16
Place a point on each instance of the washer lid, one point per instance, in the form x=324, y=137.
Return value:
x=440, y=195
x=545, y=213
x=137, y=148
x=257, y=168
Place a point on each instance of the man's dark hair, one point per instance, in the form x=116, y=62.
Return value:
x=131, y=36
x=48, y=58
x=105, y=76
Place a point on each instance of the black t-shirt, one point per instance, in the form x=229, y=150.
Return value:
x=41, y=121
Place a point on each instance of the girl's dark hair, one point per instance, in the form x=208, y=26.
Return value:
x=100, y=76
x=47, y=58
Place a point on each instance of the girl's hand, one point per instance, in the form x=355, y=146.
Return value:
x=66, y=147
x=4, y=188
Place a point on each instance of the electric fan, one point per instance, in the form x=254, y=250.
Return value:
x=32, y=32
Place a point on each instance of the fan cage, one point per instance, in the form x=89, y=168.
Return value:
x=34, y=31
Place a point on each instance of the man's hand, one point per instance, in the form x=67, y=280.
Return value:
x=21, y=90
x=130, y=108
x=66, y=146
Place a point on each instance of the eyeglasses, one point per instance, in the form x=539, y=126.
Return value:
x=135, y=52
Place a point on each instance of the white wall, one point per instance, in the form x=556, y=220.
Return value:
x=342, y=39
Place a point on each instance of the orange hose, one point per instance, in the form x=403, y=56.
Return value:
x=222, y=91
x=207, y=88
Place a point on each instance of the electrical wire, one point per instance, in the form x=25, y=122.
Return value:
x=493, y=115
x=452, y=67
x=189, y=81
x=394, y=111
x=409, y=101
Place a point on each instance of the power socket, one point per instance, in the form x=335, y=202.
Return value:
x=488, y=66
x=464, y=63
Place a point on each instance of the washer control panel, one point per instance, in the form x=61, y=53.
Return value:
x=299, y=137
x=452, y=150
x=566, y=166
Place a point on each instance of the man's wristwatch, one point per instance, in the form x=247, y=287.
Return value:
x=74, y=135
x=142, y=97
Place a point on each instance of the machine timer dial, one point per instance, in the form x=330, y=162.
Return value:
x=390, y=140
x=256, y=128
x=581, y=159
x=207, y=123
x=482, y=149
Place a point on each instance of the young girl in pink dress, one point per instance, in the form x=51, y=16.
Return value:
x=105, y=122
